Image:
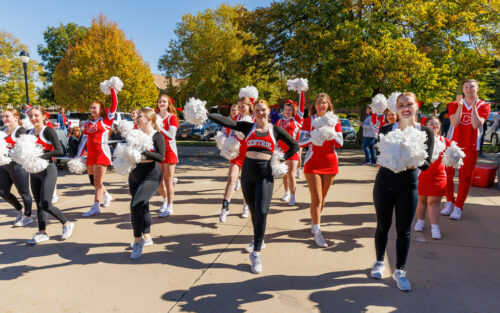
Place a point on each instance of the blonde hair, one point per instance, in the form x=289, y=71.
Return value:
x=42, y=110
x=16, y=114
x=151, y=115
x=247, y=101
x=76, y=129
x=263, y=102
x=325, y=96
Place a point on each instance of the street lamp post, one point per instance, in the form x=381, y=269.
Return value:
x=25, y=58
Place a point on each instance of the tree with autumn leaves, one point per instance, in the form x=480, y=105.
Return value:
x=102, y=52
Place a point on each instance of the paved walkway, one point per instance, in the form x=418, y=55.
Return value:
x=198, y=264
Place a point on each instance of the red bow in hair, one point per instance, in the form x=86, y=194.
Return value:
x=295, y=104
x=179, y=109
x=252, y=100
x=157, y=110
x=172, y=100
x=419, y=103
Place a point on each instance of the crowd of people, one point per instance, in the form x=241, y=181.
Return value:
x=408, y=192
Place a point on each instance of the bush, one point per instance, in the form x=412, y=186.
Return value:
x=342, y=115
x=353, y=116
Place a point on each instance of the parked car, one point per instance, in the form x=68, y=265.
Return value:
x=77, y=118
x=122, y=116
x=204, y=132
x=348, y=131
x=492, y=135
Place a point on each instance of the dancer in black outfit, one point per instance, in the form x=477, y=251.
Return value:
x=44, y=182
x=256, y=177
x=143, y=182
x=398, y=191
x=13, y=173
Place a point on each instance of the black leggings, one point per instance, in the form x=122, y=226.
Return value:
x=143, y=182
x=257, y=184
x=42, y=187
x=397, y=190
x=13, y=173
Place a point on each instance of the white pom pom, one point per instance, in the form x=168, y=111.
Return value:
x=379, y=104
x=121, y=162
x=126, y=156
x=220, y=137
x=453, y=156
x=279, y=169
x=439, y=147
x=195, y=111
x=124, y=127
x=27, y=153
x=231, y=148
x=324, y=128
x=391, y=101
x=114, y=82
x=4, y=150
x=139, y=140
x=77, y=166
x=298, y=84
x=402, y=149
x=26, y=123
x=250, y=92
x=317, y=137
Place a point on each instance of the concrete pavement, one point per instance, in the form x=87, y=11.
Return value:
x=198, y=264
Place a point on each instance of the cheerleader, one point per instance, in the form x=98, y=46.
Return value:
x=398, y=191
x=432, y=185
x=96, y=132
x=256, y=176
x=133, y=115
x=44, y=182
x=291, y=122
x=169, y=126
x=245, y=109
x=321, y=163
x=390, y=117
x=13, y=173
x=144, y=180
x=233, y=113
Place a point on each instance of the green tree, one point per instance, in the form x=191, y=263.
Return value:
x=354, y=49
x=12, y=85
x=101, y=53
x=216, y=56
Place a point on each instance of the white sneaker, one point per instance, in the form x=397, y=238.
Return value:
x=55, y=198
x=147, y=242
x=37, y=238
x=448, y=208
x=223, y=215
x=292, y=200
x=19, y=216
x=67, y=230
x=457, y=214
x=163, y=207
x=25, y=220
x=256, y=263
x=168, y=211
x=436, y=232
x=175, y=180
x=419, y=225
x=400, y=278
x=137, y=249
x=238, y=185
x=249, y=248
x=107, y=200
x=286, y=197
x=93, y=211
x=378, y=270
x=299, y=173
x=245, y=212
x=319, y=240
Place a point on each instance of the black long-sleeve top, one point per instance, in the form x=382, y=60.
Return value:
x=50, y=134
x=429, y=142
x=159, y=149
x=246, y=127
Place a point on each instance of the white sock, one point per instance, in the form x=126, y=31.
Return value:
x=435, y=226
x=96, y=204
x=165, y=200
x=292, y=198
x=107, y=195
x=256, y=253
x=315, y=228
x=170, y=207
x=420, y=221
x=287, y=193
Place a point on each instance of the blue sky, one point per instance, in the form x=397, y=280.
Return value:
x=150, y=24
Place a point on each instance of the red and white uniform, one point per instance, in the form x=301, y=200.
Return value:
x=41, y=140
x=377, y=122
x=243, y=147
x=267, y=142
x=432, y=182
x=320, y=159
x=469, y=140
x=293, y=126
x=96, y=135
x=11, y=139
x=170, y=124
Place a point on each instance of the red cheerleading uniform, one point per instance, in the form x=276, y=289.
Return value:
x=432, y=182
x=377, y=122
x=243, y=148
x=323, y=159
x=469, y=140
x=258, y=143
x=98, y=152
x=292, y=126
x=170, y=124
x=12, y=138
x=41, y=140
